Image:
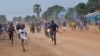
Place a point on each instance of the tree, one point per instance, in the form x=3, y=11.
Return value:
x=27, y=18
x=81, y=8
x=33, y=18
x=93, y=5
x=17, y=19
x=69, y=13
x=37, y=10
x=44, y=15
x=3, y=19
x=53, y=11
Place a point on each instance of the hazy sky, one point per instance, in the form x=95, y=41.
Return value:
x=12, y=8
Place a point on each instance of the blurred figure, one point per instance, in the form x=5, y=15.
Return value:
x=85, y=24
x=38, y=26
x=23, y=35
x=11, y=31
x=1, y=30
x=64, y=26
x=54, y=28
x=32, y=27
x=46, y=27
x=18, y=26
x=73, y=25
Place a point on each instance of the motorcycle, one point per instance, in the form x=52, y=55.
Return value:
x=48, y=33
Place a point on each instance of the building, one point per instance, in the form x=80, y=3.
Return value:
x=93, y=17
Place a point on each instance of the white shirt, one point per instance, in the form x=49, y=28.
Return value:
x=22, y=33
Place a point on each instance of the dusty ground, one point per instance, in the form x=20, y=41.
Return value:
x=69, y=43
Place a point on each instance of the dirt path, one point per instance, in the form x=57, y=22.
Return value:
x=69, y=43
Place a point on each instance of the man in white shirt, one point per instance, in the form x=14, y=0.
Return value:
x=23, y=35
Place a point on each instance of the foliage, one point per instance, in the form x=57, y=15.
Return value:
x=81, y=9
x=69, y=13
x=17, y=19
x=37, y=9
x=29, y=18
x=53, y=11
x=3, y=19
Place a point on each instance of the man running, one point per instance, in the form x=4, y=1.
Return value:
x=32, y=28
x=23, y=35
x=11, y=31
x=53, y=27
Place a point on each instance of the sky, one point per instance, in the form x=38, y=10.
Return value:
x=12, y=8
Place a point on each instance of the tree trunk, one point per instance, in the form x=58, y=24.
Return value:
x=38, y=16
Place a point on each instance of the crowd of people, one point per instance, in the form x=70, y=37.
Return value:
x=50, y=30
x=11, y=29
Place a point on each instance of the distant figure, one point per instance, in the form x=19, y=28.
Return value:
x=23, y=35
x=73, y=25
x=86, y=26
x=54, y=28
x=64, y=26
x=38, y=26
x=46, y=26
x=1, y=30
x=32, y=27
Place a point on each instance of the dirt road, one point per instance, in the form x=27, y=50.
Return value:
x=69, y=43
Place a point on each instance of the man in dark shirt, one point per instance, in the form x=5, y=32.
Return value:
x=54, y=28
x=11, y=31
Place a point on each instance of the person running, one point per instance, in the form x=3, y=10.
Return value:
x=23, y=35
x=54, y=28
x=11, y=31
x=73, y=24
x=32, y=28
x=18, y=26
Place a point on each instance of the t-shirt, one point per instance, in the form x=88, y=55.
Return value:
x=53, y=27
x=22, y=33
x=46, y=25
x=11, y=29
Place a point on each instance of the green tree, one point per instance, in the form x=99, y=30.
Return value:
x=17, y=19
x=53, y=11
x=27, y=18
x=93, y=5
x=44, y=15
x=69, y=13
x=33, y=18
x=37, y=9
x=3, y=19
x=81, y=9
